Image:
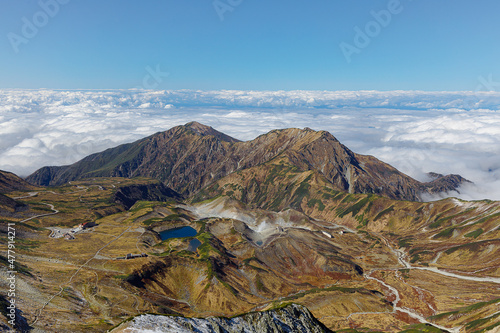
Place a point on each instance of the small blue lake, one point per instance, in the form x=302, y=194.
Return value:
x=178, y=233
x=193, y=245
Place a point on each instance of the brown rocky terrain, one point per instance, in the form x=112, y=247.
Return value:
x=292, y=216
x=9, y=182
x=358, y=262
x=190, y=157
x=9, y=205
x=127, y=196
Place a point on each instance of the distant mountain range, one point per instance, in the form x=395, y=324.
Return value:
x=191, y=157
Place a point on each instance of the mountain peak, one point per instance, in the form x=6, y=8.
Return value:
x=198, y=127
x=189, y=157
x=203, y=130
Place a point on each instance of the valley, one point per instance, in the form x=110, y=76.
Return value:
x=276, y=232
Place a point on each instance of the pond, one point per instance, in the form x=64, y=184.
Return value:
x=193, y=245
x=178, y=233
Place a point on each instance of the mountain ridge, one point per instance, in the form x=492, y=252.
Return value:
x=127, y=196
x=10, y=182
x=190, y=157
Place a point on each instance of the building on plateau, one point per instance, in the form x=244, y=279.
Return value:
x=87, y=225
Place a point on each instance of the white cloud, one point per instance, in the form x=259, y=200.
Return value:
x=417, y=132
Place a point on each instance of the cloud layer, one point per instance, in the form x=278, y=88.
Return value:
x=417, y=132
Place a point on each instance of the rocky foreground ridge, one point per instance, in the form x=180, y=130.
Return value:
x=291, y=318
x=191, y=157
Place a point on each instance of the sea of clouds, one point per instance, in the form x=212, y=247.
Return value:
x=415, y=131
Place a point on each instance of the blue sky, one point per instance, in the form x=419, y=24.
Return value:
x=259, y=45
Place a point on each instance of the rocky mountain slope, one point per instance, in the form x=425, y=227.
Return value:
x=357, y=262
x=190, y=157
x=9, y=182
x=127, y=196
x=291, y=318
x=8, y=205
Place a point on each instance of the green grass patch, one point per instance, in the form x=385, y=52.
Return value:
x=475, y=233
x=405, y=241
x=419, y=328
x=139, y=205
x=354, y=209
x=446, y=233
x=259, y=284
x=206, y=247
x=487, y=218
x=419, y=210
x=363, y=222
x=384, y=212
x=481, y=322
x=405, y=272
x=349, y=198
x=151, y=221
x=313, y=202
x=465, y=310
x=440, y=221
x=339, y=196
x=473, y=247
x=279, y=171
x=32, y=227
x=301, y=192
x=207, y=200
x=17, y=266
x=327, y=196
x=415, y=258
x=172, y=217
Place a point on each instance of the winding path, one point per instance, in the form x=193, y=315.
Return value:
x=55, y=211
x=51, y=206
x=405, y=310
x=402, y=260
